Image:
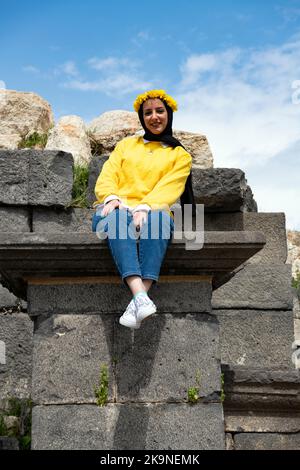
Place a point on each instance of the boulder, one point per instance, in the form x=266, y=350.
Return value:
x=197, y=145
x=69, y=135
x=293, y=243
x=21, y=114
x=223, y=190
x=109, y=128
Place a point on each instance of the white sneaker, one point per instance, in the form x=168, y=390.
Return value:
x=144, y=307
x=129, y=317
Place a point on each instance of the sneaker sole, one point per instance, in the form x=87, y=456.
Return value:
x=147, y=313
x=134, y=326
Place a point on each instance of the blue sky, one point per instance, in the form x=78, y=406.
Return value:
x=230, y=64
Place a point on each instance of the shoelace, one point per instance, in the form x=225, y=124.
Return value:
x=142, y=300
x=130, y=309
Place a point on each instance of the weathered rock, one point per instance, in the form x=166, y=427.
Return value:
x=262, y=390
x=67, y=357
x=69, y=135
x=272, y=225
x=296, y=304
x=229, y=441
x=254, y=338
x=14, y=219
x=9, y=443
x=266, y=441
x=16, y=332
x=94, y=297
x=257, y=286
x=36, y=177
x=108, y=129
x=261, y=421
x=21, y=114
x=128, y=427
x=223, y=190
x=188, y=342
x=95, y=168
x=14, y=176
x=50, y=178
x=293, y=241
x=65, y=345
x=12, y=424
x=46, y=220
x=197, y=145
x=7, y=299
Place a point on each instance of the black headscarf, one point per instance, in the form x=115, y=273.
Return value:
x=166, y=136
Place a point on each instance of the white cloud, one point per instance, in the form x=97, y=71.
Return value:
x=109, y=63
x=2, y=85
x=141, y=37
x=31, y=69
x=144, y=35
x=69, y=68
x=289, y=14
x=117, y=77
x=113, y=85
x=242, y=101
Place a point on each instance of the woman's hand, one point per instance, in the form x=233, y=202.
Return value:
x=139, y=218
x=110, y=206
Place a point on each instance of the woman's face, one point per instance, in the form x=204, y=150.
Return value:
x=155, y=115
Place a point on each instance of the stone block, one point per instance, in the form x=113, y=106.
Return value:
x=14, y=174
x=296, y=304
x=257, y=286
x=266, y=441
x=16, y=332
x=67, y=356
x=46, y=220
x=9, y=443
x=252, y=338
x=259, y=421
x=297, y=328
x=50, y=178
x=163, y=361
x=128, y=427
x=36, y=177
x=113, y=297
x=95, y=168
x=223, y=190
x=67, y=372
x=272, y=225
x=7, y=299
x=14, y=219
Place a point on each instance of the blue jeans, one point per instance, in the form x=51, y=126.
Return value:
x=136, y=253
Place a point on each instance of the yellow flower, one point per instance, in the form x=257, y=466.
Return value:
x=155, y=94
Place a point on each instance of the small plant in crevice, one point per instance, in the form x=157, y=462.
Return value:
x=296, y=282
x=222, y=396
x=80, y=186
x=33, y=140
x=101, y=390
x=22, y=410
x=193, y=392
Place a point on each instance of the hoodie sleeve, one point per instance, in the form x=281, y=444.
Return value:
x=108, y=181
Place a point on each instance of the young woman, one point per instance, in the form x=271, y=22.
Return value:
x=141, y=180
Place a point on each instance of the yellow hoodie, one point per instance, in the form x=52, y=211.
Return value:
x=140, y=173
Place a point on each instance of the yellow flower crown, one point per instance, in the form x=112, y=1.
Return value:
x=154, y=94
